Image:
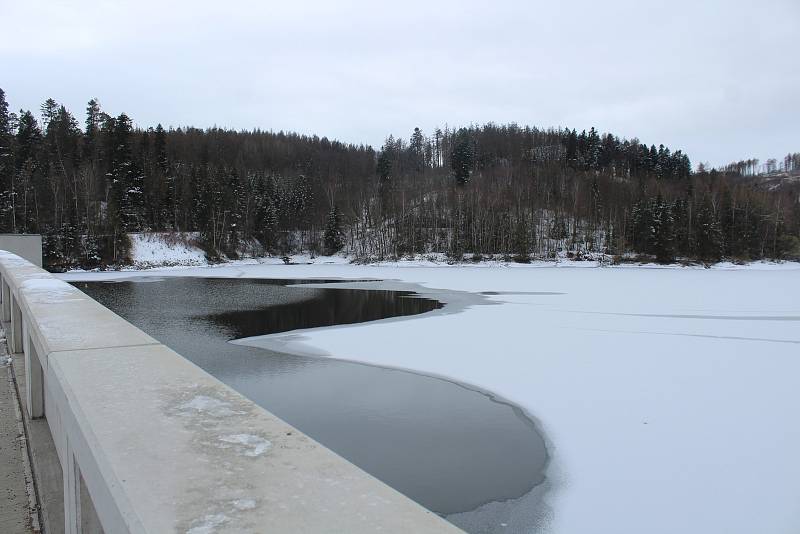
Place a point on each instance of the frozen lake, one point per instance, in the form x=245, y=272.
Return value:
x=668, y=395
x=451, y=448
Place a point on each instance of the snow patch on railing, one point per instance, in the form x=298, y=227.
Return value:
x=246, y=444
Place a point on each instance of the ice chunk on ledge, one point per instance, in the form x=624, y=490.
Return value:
x=208, y=405
x=251, y=445
x=209, y=524
x=244, y=504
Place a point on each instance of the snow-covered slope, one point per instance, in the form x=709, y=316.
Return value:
x=161, y=249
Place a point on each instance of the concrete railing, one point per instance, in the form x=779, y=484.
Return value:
x=149, y=442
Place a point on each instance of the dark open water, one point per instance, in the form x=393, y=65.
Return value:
x=449, y=447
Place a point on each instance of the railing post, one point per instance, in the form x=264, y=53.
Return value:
x=16, y=327
x=34, y=377
x=6, y=306
x=72, y=494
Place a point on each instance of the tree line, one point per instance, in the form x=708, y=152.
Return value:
x=753, y=167
x=519, y=192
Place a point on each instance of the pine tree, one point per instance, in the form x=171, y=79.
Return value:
x=269, y=226
x=51, y=248
x=663, y=232
x=91, y=135
x=126, y=178
x=125, y=209
x=49, y=110
x=92, y=254
x=27, y=156
x=462, y=157
x=160, y=148
x=6, y=163
x=609, y=148
x=28, y=140
x=571, y=144
x=169, y=201
x=60, y=161
x=707, y=236
x=652, y=159
x=592, y=156
x=417, y=147
x=333, y=236
x=384, y=167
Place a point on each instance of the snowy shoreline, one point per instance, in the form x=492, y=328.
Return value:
x=437, y=261
x=180, y=250
x=641, y=378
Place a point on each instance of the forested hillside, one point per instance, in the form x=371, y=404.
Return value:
x=520, y=192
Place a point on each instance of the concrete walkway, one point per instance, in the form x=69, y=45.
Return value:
x=15, y=512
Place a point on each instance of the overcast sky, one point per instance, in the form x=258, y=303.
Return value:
x=719, y=79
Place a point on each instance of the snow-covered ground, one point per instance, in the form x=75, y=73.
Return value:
x=161, y=249
x=669, y=395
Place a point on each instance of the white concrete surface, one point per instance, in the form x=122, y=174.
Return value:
x=149, y=442
x=26, y=246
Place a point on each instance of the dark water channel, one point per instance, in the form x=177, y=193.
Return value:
x=449, y=447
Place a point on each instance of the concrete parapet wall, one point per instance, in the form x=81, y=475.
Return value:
x=149, y=442
x=26, y=246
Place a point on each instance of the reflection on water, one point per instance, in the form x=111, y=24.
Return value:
x=446, y=446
